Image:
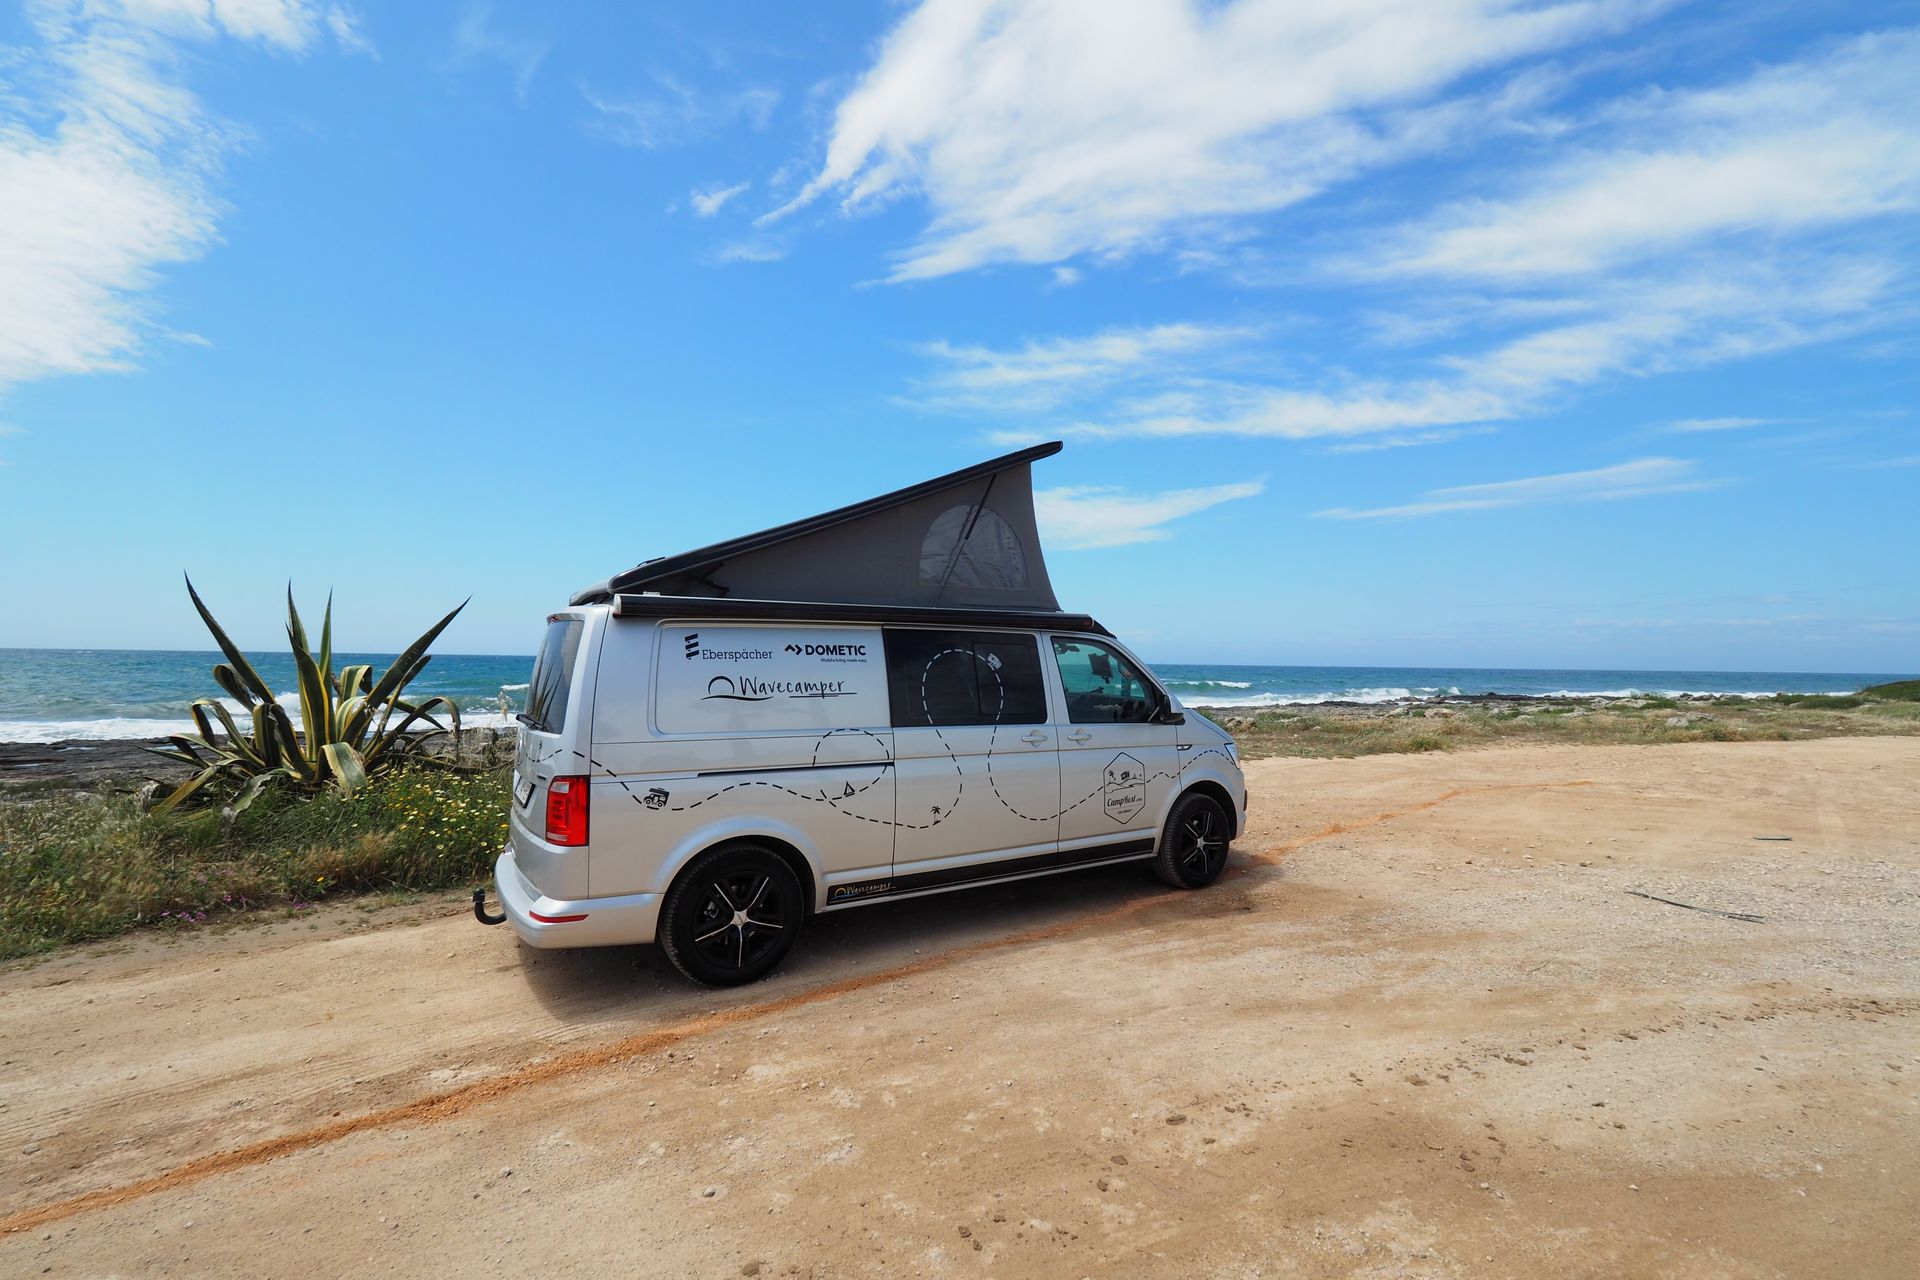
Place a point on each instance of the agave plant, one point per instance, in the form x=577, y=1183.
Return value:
x=347, y=732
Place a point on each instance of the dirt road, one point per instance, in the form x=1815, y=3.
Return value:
x=1423, y=1029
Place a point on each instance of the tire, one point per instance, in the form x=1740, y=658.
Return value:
x=1194, y=845
x=732, y=915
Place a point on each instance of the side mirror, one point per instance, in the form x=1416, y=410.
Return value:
x=1163, y=712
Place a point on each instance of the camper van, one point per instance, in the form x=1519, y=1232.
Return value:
x=881, y=702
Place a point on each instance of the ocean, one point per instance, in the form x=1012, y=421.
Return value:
x=47, y=695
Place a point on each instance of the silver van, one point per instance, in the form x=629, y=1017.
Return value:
x=707, y=770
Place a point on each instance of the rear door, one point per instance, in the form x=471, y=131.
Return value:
x=977, y=775
x=1117, y=767
x=552, y=726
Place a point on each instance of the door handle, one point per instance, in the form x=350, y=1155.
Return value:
x=1033, y=738
x=1080, y=735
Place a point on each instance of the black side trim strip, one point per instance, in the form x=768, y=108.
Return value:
x=986, y=871
x=796, y=768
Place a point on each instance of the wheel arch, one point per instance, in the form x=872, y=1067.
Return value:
x=785, y=850
x=1217, y=792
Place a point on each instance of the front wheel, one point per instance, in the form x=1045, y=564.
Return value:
x=732, y=915
x=1193, y=847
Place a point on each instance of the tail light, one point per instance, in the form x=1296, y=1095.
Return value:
x=567, y=810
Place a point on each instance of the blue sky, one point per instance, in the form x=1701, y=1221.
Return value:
x=1409, y=331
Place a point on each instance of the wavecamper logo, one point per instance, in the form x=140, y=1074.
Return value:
x=842, y=892
x=748, y=689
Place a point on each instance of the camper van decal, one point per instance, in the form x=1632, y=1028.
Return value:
x=1124, y=788
x=748, y=689
x=1122, y=793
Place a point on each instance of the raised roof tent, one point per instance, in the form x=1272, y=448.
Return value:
x=966, y=539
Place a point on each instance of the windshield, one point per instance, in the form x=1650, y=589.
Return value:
x=552, y=677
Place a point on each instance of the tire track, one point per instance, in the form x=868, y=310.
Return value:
x=440, y=1107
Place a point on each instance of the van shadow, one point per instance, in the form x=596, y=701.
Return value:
x=612, y=983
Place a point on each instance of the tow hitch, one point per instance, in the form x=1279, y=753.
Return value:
x=480, y=911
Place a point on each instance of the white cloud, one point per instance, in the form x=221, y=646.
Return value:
x=1080, y=517
x=1695, y=425
x=290, y=24
x=1065, y=277
x=708, y=201
x=751, y=251
x=1825, y=140
x=349, y=32
x=107, y=172
x=1041, y=371
x=1037, y=130
x=1412, y=439
x=1640, y=478
x=672, y=113
x=1717, y=309
x=477, y=39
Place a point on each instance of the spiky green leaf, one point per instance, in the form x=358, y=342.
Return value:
x=241, y=666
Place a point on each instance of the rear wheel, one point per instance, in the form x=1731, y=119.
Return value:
x=732, y=915
x=1194, y=845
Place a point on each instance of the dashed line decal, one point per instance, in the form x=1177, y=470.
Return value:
x=1123, y=785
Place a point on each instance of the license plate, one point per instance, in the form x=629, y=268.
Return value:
x=523, y=792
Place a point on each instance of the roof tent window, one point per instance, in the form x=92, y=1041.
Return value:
x=988, y=557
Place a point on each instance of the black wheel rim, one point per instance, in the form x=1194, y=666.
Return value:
x=741, y=917
x=1203, y=843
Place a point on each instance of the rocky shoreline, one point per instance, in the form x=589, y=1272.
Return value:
x=125, y=764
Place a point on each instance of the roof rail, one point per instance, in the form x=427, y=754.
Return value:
x=731, y=609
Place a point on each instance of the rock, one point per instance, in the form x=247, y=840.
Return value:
x=1102, y=1184
x=1176, y=1118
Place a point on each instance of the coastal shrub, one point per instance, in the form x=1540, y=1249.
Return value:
x=76, y=868
x=1426, y=742
x=1828, y=701
x=1896, y=691
x=347, y=732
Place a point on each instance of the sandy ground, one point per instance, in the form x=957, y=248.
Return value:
x=1442, y=1041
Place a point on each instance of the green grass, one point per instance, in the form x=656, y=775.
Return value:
x=1326, y=732
x=1897, y=691
x=80, y=867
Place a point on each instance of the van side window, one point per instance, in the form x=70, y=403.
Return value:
x=964, y=677
x=1101, y=686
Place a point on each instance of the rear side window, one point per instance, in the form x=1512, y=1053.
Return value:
x=964, y=677
x=553, y=676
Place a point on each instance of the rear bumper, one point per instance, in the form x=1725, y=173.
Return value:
x=603, y=922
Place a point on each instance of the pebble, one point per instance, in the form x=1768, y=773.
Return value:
x=506, y=1173
x=1176, y=1118
x=710, y=1193
x=29, y=1149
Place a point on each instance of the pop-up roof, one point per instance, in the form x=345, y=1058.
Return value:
x=965, y=539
